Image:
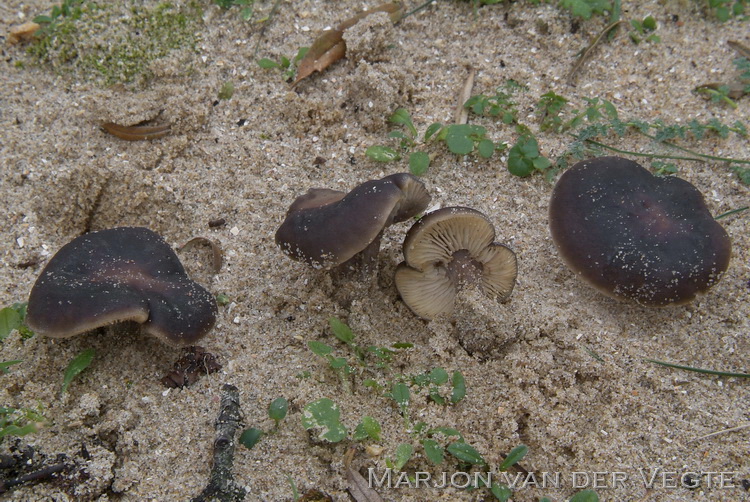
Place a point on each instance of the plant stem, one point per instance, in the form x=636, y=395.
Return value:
x=691, y=152
x=638, y=154
x=733, y=211
x=417, y=9
x=699, y=370
x=660, y=156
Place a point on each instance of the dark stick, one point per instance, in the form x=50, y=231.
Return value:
x=221, y=486
x=39, y=475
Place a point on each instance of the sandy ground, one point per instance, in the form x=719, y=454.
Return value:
x=529, y=377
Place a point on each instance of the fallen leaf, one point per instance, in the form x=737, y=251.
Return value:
x=330, y=46
x=326, y=50
x=216, y=252
x=136, y=133
x=358, y=486
x=461, y=115
x=22, y=32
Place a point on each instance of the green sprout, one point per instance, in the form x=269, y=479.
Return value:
x=76, y=366
x=288, y=65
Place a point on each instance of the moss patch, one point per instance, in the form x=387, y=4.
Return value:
x=116, y=43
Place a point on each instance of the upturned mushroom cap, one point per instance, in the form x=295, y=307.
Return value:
x=120, y=274
x=326, y=228
x=446, y=250
x=636, y=236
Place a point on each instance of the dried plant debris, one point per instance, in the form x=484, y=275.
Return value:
x=21, y=467
x=330, y=46
x=585, y=54
x=137, y=132
x=22, y=32
x=221, y=485
x=217, y=254
x=358, y=486
x=313, y=495
x=189, y=368
x=728, y=92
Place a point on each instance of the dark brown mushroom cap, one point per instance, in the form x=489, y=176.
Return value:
x=444, y=251
x=326, y=228
x=120, y=274
x=634, y=235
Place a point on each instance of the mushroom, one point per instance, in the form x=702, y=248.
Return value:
x=328, y=228
x=447, y=250
x=636, y=236
x=120, y=274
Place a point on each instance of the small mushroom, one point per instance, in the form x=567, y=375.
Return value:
x=636, y=236
x=120, y=274
x=328, y=228
x=447, y=250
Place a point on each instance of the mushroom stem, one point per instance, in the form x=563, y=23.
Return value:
x=463, y=269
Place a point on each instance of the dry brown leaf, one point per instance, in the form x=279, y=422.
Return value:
x=394, y=9
x=216, y=252
x=461, y=114
x=22, y=32
x=136, y=133
x=330, y=46
x=326, y=50
x=358, y=486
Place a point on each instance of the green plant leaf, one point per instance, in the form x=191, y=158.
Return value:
x=518, y=164
x=267, y=64
x=486, y=148
x=418, y=163
x=433, y=451
x=515, y=456
x=459, y=387
x=438, y=376
x=319, y=348
x=341, y=330
x=401, y=116
x=324, y=415
x=367, y=428
x=250, y=437
x=4, y=365
x=380, y=153
x=458, y=141
x=10, y=319
x=501, y=491
x=404, y=452
x=400, y=393
x=465, y=453
x=277, y=409
x=76, y=366
x=226, y=91
x=585, y=496
x=431, y=130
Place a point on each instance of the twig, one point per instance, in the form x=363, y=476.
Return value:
x=588, y=50
x=461, y=115
x=732, y=429
x=221, y=486
x=39, y=475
